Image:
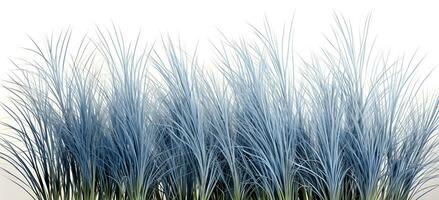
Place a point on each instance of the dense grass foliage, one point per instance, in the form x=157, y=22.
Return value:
x=117, y=119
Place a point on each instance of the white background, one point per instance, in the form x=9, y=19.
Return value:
x=401, y=26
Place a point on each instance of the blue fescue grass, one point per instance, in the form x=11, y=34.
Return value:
x=266, y=110
x=133, y=166
x=114, y=118
x=192, y=163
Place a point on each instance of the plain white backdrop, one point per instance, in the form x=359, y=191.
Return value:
x=402, y=26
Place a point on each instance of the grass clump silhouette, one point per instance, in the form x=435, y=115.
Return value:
x=120, y=119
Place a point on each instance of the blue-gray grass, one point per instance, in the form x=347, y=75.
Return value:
x=117, y=119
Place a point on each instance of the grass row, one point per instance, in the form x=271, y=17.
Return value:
x=117, y=119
